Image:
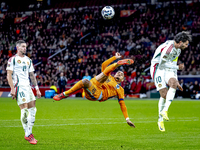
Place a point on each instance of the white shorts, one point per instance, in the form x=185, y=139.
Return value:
x=161, y=77
x=24, y=94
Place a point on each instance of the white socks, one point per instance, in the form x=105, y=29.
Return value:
x=31, y=119
x=161, y=105
x=169, y=98
x=24, y=121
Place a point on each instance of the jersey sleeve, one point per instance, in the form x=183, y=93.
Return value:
x=31, y=68
x=120, y=92
x=10, y=63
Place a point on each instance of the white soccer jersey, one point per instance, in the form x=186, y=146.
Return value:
x=21, y=66
x=166, y=56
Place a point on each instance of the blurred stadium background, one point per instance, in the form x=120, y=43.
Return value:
x=71, y=37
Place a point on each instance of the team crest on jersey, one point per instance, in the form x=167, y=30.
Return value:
x=23, y=99
x=8, y=65
x=159, y=85
x=117, y=86
x=27, y=62
x=19, y=61
x=24, y=62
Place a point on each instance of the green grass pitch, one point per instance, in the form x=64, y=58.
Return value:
x=82, y=124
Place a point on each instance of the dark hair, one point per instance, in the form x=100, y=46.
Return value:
x=183, y=36
x=20, y=42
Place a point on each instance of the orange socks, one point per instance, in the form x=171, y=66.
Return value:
x=110, y=68
x=79, y=85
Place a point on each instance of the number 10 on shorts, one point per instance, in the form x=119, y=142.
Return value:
x=158, y=79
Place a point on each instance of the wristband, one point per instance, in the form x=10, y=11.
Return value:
x=36, y=87
x=127, y=118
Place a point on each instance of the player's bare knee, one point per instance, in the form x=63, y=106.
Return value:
x=173, y=83
x=163, y=95
x=86, y=83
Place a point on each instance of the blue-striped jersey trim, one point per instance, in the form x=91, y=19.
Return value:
x=121, y=99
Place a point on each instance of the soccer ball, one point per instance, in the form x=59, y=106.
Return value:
x=107, y=12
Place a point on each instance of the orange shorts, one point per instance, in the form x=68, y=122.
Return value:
x=94, y=93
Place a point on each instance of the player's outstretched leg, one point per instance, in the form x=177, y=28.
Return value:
x=112, y=67
x=125, y=62
x=79, y=85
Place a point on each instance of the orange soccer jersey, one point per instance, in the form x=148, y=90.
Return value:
x=111, y=89
x=103, y=91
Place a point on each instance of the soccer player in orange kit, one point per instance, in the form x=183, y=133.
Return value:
x=103, y=86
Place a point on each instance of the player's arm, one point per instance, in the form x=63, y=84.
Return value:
x=174, y=65
x=10, y=82
x=107, y=62
x=125, y=113
x=120, y=92
x=34, y=82
x=166, y=55
x=9, y=69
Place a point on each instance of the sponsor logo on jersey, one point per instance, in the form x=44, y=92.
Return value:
x=27, y=62
x=19, y=61
x=159, y=85
x=23, y=99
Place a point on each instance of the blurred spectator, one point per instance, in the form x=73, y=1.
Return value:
x=87, y=76
x=62, y=81
x=127, y=88
x=58, y=33
x=194, y=90
x=185, y=93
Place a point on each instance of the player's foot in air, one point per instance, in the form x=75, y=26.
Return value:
x=164, y=114
x=31, y=139
x=59, y=97
x=161, y=126
x=125, y=62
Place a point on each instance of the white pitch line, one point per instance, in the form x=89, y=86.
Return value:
x=70, y=124
x=172, y=118
x=75, y=124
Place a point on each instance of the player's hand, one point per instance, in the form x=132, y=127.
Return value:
x=180, y=87
x=130, y=123
x=117, y=55
x=12, y=93
x=181, y=66
x=38, y=93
